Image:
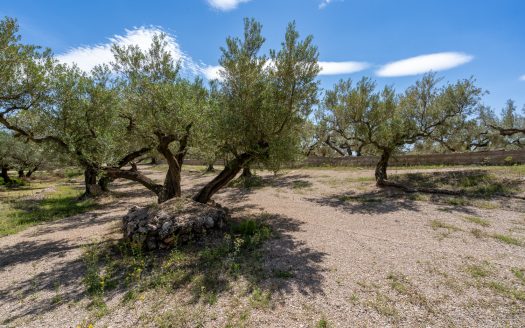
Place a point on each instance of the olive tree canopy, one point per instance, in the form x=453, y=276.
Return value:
x=262, y=101
x=388, y=121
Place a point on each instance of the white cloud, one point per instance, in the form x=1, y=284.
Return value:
x=87, y=57
x=225, y=5
x=327, y=68
x=324, y=3
x=522, y=78
x=347, y=67
x=424, y=63
x=211, y=72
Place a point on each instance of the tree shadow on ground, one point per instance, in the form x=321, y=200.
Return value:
x=262, y=253
x=257, y=250
x=472, y=183
x=373, y=202
x=388, y=200
x=42, y=292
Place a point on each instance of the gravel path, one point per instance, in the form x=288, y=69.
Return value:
x=369, y=261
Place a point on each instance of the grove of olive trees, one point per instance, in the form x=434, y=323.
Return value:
x=264, y=110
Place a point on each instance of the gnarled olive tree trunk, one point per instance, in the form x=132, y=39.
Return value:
x=227, y=174
x=90, y=180
x=30, y=172
x=5, y=174
x=246, y=172
x=381, y=167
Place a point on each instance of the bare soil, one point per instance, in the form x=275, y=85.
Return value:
x=355, y=256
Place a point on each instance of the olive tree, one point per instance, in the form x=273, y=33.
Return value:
x=161, y=108
x=509, y=128
x=262, y=101
x=389, y=122
x=24, y=80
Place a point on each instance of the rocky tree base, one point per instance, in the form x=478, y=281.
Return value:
x=176, y=221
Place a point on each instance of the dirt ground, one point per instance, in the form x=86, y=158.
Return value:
x=357, y=257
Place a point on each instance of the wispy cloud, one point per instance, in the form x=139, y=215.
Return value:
x=424, y=63
x=211, y=72
x=346, y=67
x=87, y=57
x=324, y=3
x=522, y=78
x=226, y=5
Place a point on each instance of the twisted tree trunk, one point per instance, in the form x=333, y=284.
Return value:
x=5, y=174
x=103, y=183
x=90, y=180
x=227, y=174
x=381, y=167
x=246, y=172
x=30, y=172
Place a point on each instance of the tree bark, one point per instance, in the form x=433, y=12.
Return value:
x=381, y=167
x=153, y=161
x=210, y=168
x=116, y=173
x=330, y=144
x=30, y=172
x=171, y=188
x=172, y=181
x=5, y=174
x=20, y=173
x=90, y=181
x=246, y=172
x=104, y=182
x=227, y=174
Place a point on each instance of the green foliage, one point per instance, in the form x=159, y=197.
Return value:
x=156, y=100
x=388, y=121
x=262, y=101
x=25, y=71
x=249, y=182
x=507, y=130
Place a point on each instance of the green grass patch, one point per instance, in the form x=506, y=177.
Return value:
x=477, y=233
x=15, y=182
x=507, y=239
x=251, y=182
x=477, y=220
x=457, y=201
x=402, y=285
x=478, y=271
x=301, y=184
x=204, y=270
x=283, y=274
x=479, y=183
x=19, y=212
x=437, y=224
x=322, y=323
x=506, y=291
x=73, y=172
x=519, y=274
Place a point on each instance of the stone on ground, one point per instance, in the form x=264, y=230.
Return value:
x=175, y=221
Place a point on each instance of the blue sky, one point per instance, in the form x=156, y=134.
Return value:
x=459, y=39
